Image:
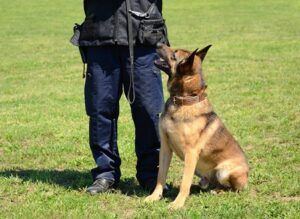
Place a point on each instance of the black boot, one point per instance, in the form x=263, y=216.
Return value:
x=101, y=185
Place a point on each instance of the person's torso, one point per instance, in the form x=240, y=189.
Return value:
x=106, y=22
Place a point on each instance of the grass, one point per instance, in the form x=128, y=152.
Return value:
x=252, y=72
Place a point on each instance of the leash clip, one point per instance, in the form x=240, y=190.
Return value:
x=139, y=14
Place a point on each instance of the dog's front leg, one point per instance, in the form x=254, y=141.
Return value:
x=165, y=156
x=190, y=162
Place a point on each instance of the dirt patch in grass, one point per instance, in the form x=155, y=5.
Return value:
x=253, y=192
x=296, y=167
x=286, y=198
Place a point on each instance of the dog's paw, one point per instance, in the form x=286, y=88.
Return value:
x=152, y=198
x=176, y=205
x=204, y=183
x=216, y=191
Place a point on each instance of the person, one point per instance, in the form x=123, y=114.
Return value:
x=112, y=33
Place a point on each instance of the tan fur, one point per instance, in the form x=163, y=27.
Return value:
x=195, y=133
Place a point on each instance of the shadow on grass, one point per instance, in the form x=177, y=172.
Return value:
x=69, y=179
x=79, y=180
x=129, y=187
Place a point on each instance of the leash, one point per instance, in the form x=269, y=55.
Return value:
x=131, y=89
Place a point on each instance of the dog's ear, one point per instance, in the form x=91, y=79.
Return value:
x=202, y=52
x=190, y=59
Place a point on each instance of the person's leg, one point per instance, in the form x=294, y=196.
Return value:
x=145, y=111
x=102, y=92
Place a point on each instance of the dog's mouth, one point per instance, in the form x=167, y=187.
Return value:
x=162, y=65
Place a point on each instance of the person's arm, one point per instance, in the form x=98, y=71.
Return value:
x=85, y=6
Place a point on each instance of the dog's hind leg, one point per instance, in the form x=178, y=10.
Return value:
x=222, y=178
x=165, y=156
x=238, y=180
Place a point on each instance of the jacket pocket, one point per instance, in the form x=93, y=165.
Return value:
x=152, y=31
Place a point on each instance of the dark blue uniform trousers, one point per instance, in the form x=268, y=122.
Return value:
x=108, y=75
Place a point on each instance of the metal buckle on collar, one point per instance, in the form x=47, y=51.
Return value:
x=175, y=101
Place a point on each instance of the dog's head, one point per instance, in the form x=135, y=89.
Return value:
x=184, y=69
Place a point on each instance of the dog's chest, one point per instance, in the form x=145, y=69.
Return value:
x=182, y=133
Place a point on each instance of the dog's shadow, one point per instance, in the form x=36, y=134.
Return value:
x=79, y=180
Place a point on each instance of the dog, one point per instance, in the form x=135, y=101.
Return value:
x=190, y=128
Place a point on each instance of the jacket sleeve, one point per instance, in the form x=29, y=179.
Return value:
x=85, y=6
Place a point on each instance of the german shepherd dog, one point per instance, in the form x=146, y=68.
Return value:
x=190, y=128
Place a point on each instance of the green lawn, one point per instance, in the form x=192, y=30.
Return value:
x=252, y=72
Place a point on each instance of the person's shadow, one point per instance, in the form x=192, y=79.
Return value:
x=71, y=179
x=79, y=180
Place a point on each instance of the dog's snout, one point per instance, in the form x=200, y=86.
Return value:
x=162, y=50
x=159, y=45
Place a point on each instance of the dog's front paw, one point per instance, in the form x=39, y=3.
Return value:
x=153, y=198
x=176, y=205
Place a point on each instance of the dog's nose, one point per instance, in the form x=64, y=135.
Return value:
x=159, y=45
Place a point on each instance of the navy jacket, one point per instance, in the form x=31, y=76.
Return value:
x=106, y=23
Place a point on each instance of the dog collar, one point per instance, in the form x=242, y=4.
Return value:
x=187, y=100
